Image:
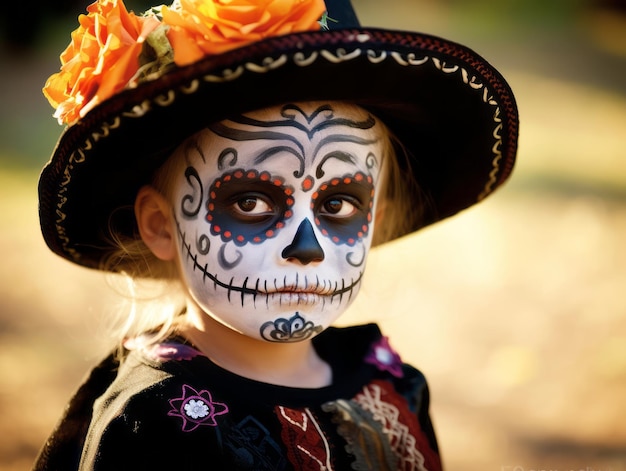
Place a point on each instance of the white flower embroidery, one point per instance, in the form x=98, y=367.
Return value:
x=196, y=409
x=384, y=356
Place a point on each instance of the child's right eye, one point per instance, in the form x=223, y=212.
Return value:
x=253, y=206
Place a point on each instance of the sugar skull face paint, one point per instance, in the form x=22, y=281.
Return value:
x=274, y=216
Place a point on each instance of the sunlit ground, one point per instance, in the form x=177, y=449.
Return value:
x=515, y=309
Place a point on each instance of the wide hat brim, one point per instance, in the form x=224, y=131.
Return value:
x=453, y=112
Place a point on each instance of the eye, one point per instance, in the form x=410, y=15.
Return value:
x=343, y=207
x=339, y=206
x=247, y=206
x=252, y=205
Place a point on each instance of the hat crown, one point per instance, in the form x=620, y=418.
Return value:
x=341, y=14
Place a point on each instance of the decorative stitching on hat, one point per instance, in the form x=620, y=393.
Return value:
x=268, y=64
x=227, y=75
x=138, y=111
x=488, y=98
x=493, y=175
x=340, y=55
x=300, y=59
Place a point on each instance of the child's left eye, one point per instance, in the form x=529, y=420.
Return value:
x=339, y=207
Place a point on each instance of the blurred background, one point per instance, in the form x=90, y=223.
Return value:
x=515, y=309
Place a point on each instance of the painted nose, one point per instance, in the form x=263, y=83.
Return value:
x=304, y=247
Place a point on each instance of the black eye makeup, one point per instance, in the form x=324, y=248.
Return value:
x=248, y=206
x=343, y=207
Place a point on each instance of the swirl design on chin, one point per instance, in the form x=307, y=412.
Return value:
x=294, y=329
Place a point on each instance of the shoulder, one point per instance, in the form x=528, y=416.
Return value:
x=366, y=344
x=140, y=411
x=354, y=347
x=146, y=375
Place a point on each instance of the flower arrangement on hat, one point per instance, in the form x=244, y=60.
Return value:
x=114, y=48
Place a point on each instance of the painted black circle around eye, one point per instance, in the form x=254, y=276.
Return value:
x=233, y=197
x=328, y=201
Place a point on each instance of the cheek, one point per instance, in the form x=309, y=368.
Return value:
x=346, y=260
x=205, y=255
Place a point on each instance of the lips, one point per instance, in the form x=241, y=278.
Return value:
x=296, y=298
x=321, y=288
x=309, y=293
x=307, y=286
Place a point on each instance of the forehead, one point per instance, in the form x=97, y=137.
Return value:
x=305, y=132
x=314, y=118
x=311, y=113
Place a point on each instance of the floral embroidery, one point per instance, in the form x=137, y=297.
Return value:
x=113, y=48
x=196, y=408
x=385, y=358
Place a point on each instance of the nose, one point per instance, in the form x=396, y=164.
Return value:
x=304, y=247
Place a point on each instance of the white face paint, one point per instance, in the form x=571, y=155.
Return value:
x=275, y=213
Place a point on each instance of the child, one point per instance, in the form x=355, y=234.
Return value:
x=249, y=156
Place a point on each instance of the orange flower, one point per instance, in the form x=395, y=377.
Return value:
x=205, y=27
x=100, y=60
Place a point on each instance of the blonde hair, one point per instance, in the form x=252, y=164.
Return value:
x=399, y=193
x=153, y=290
x=153, y=287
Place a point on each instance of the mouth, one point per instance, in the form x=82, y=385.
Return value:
x=310, y=293
x=308, y=287
x=319, y=292
x=300, y=291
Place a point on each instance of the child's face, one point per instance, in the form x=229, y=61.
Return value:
x=275, y=214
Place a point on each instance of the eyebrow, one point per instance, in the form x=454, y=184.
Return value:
x=290, y=120
x=336, y=138
x=240, y=135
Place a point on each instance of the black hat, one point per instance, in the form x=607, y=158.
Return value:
x=454, y=114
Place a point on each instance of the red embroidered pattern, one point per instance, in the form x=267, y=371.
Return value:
x=400, y=425
x=307, y=447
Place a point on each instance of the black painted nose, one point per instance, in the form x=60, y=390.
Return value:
x=304, y=247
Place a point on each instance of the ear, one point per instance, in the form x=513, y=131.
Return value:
x=155, y=222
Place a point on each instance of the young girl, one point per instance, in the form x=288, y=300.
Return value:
x=249, y=160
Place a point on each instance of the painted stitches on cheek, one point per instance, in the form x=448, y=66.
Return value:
x=248, y=206
x=343, y=207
